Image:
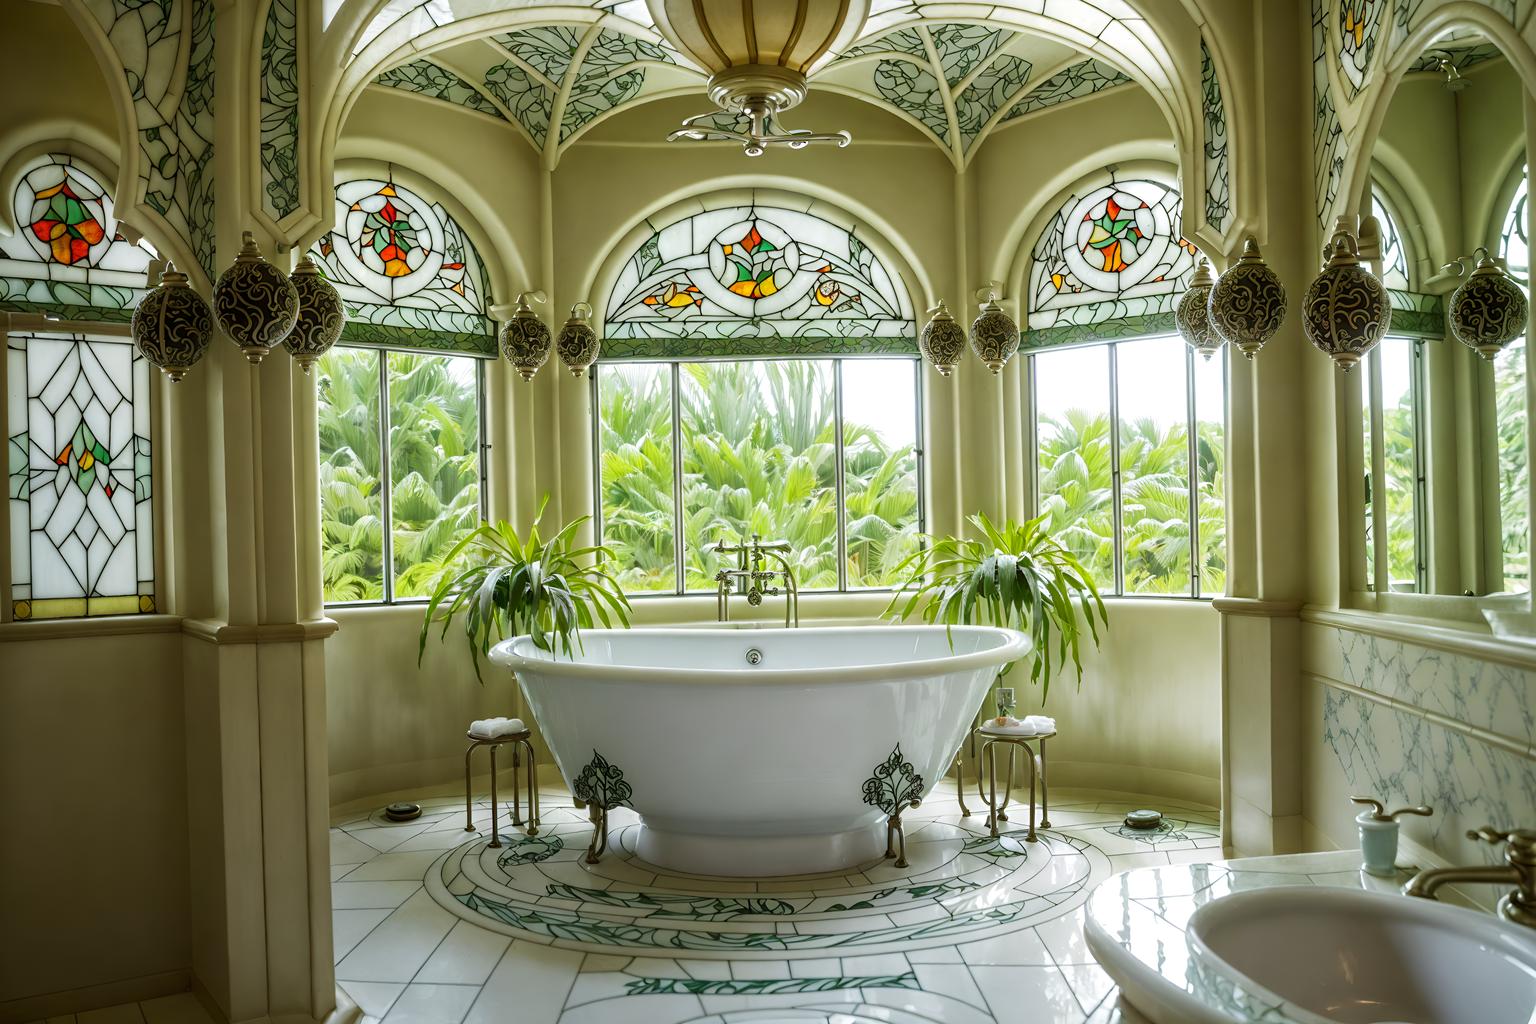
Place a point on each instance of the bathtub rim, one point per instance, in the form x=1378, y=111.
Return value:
x=1014, y=647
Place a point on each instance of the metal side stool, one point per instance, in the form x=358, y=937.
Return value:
x=986, y=767
x=514, y=732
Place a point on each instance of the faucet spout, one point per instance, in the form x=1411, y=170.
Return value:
x=1428, y=882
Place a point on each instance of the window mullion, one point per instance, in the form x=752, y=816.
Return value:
x=1382, y=581
x=677, y=478
x=1192, y=472
x=386, y=513
x=1117, y=516
x=484, y=439
x=839, y=482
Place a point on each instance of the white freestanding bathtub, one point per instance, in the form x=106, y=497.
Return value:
x=755, y=752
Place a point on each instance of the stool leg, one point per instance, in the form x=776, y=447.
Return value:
x=1002, y=812
x=965, y=812
x=1045, y=796
x=533, y=792
x=990, y=752
x=495, y=834
x=517, y=801
x=469, y=814
x=1029, y=756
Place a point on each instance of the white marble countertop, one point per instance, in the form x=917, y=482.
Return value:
x=1135, y=921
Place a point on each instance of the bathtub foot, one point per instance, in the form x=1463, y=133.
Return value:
x=896, y=839
x=965, y=812
x=599, y=816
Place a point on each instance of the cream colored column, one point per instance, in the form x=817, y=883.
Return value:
x=1268, y=519
x=246, y=519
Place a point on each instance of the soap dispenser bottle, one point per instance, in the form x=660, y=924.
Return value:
x=1378, y=835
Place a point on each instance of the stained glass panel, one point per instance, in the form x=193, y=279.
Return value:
x=1514, y=245
x=757, y=271
x=1394, y=257
x=1113, y=250
x=67, y=250
x=1359, y=21
x=400, y=261
x=82, y=530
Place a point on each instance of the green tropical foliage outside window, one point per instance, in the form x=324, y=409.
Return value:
x=1091, y=423
x=1514, y=470
x=758, y=447
x=1399, y=489
x=433, y=426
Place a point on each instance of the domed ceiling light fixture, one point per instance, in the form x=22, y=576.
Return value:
x=757, y=53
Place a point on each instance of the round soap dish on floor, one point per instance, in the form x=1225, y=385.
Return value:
x=1144, y=819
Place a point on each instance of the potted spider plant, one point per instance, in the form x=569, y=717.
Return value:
x=1016, y=575
x=508, y=585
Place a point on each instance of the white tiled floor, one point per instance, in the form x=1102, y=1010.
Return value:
x=432, y=927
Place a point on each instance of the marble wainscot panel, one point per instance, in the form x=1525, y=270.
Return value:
x=1411, y=724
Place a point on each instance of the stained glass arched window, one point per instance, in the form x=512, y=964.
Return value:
x=67, y=250
x=1112, y=252
x=408, y=273
x=756, y=279
x=1514, y=245
x=1394, y=255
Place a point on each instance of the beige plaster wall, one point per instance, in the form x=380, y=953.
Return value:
x=93, y=867
x=75, y=104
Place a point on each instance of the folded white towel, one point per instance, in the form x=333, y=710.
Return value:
x=494, y=728
x=1010, y=727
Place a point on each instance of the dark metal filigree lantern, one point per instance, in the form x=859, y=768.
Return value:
x=1248, y=302
x=1192, y=314
x=255, y=303
x=321, y=315
x=1345, y=311
x=173, y=325
x=525, y=339
x=577, y=343
x=1488, y=310
x=942, y=340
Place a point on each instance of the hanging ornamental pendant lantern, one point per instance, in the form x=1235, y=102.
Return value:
x=1248, y=302
x=942, y=340
x=1345, y=311
x=577, y=343
x=173, y=325
x=255, y=303
x=1488, y=310
x=994, y=335
x=525, y=339
x=321, y=315
x=1192, y=314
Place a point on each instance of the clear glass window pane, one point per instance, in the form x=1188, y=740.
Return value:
x=1367, y=405
x=759, y=456
x=1400, y=447
x=879, y=467
x=434, y=462
x=1211, y=470
x=1075, y=465
x=351, y=511
x=1154, y=465
x=1514, y=510
x=635, y=448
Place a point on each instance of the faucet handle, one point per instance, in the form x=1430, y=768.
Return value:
x=1520, y=839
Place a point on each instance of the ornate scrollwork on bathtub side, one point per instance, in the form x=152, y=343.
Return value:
x=601, y=784
x=894, y=785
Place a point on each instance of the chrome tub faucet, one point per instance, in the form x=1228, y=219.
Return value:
x=751, y=579
x=1518, y=870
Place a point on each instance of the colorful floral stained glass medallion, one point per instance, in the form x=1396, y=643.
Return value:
x=68, y=251
x=1112, y=250
x=82, y=526
x=399, y=260
x=758, y=271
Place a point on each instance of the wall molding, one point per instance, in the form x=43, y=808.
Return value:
x=1257, y=607
x=214, y=631
x=1492, y=739
x=70, y=629
x=1433, y=636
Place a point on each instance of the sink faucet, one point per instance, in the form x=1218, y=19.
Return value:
x=756, y=581
x=1519, y=870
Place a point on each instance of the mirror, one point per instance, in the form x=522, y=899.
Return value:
x=1444, y=495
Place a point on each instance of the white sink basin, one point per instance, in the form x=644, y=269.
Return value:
x=1337, y=956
